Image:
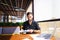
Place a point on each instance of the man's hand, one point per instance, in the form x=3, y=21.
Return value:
x=37, y=31
x=30, y=30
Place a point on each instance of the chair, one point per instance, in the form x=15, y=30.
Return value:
x=0, y=30
x=11, y=30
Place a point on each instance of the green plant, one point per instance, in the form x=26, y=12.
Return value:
x=11, y=24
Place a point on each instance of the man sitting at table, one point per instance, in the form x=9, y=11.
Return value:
x=30, y=24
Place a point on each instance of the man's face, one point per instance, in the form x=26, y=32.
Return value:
x=30, y=17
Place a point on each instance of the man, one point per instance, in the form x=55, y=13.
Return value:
x=30, y=24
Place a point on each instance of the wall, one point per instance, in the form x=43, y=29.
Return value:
x=29, y=8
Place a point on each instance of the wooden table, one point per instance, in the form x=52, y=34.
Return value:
x=19, y=36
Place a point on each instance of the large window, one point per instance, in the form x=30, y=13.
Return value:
x=17, y=19
x=46, y=9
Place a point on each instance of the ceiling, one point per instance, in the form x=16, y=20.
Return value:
x=9, y=6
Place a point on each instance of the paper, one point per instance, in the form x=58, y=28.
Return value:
x=26, y=39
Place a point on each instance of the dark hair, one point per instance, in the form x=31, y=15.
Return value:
x=29, y=13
